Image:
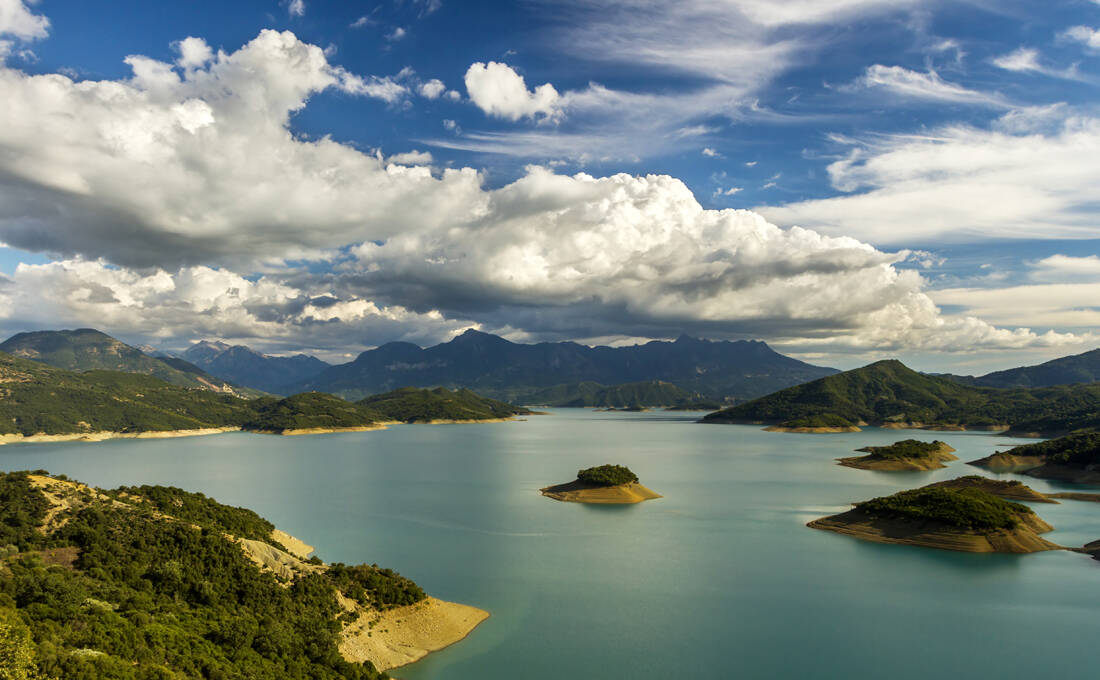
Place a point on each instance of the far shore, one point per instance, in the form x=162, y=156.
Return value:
x=105, y=435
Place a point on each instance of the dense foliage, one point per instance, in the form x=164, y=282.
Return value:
x=906, y=448
x=607, y=475
x=22, y=508
x=819, y=420
x=373, y=586
x=40, y=398
x=198, y=509
x=86, y=349
x=1075, y=450
x=150, y=597
x=967, y=508
x=889, y=392
x=411, y=405
x=309, y=410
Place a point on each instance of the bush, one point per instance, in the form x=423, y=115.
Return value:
x=607, y=475
x=967, y=508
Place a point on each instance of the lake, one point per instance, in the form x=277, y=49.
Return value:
x=719, y=579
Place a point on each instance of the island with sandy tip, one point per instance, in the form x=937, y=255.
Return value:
x=904, y=456
x=603, y=484
x=1073, y=458
x=1008, y=489
x=965, y=519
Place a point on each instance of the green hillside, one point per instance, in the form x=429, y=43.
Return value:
x=309, y=410
x=86, y=349
x=888, y=392
x=129, y=585
x=411, y=404
x=37, y=398
x=644, y=393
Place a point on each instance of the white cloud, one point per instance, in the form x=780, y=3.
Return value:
x=1065, y=268
x=499, y=91
x=916, y=85
x=194, y=53
x=1035, y=178
x=396, y=34
x=450, y=124
x=1026, y=60
x=453, y=95
x=1090, y=37
x=362, y=21
x=179, y=167
x=411, y=158
x=719, y=192
x=432, y=89
x=295, y=8
x=709, y=152
x=1050, y=305
x=16, y=19
x=174, y=308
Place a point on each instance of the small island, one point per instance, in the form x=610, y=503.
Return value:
x=604, y=484
x=1073, y=458
x=1008, y=489
x=825, y=423
x=906, y=455
x=964, y=519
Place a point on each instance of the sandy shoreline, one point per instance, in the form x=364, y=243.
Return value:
x=858, y=524
x=934, y=460
x=812, y=430
x=400, y=636
x=105, y=435
x=579, y=492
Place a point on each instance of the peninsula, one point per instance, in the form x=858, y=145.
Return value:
x=87, y=573
x=1073, y=458
x=964, y=519
x=906, y=455
x=604, y=484
x=439, y=405
x=889, y=394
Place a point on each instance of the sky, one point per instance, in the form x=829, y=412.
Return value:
x=847, y=180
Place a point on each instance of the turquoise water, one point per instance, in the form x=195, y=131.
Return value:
x=719, y=579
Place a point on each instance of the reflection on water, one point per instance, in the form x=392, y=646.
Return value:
x=718, y=579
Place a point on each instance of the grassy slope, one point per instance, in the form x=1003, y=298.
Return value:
x=888, y=391
x=150, y=596
x=411, y=404
x=309, y=410
x=86, y=349
x=40, y=398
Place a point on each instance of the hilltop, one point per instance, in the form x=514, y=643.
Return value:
x=510, y=371
x=1079, y=368
x=889, y=394
x=413, y=405
x=157, y=582
x=244, y=366
x=310, y=413
x=87, y=349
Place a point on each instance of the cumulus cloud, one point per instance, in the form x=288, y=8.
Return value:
x=916, y=85
x=411, y=158
x=188, y=181
x=432, y=89
x=1032, y=177
x=499, y=91
x=171, y=309
x=16, y=19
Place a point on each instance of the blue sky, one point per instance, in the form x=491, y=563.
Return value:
x=367, y=171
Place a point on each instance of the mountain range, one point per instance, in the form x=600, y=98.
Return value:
x=86, y=349
x=1079, y=368
x=516, y=372
x=244, y=366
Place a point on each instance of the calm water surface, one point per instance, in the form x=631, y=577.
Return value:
x=719, y=579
